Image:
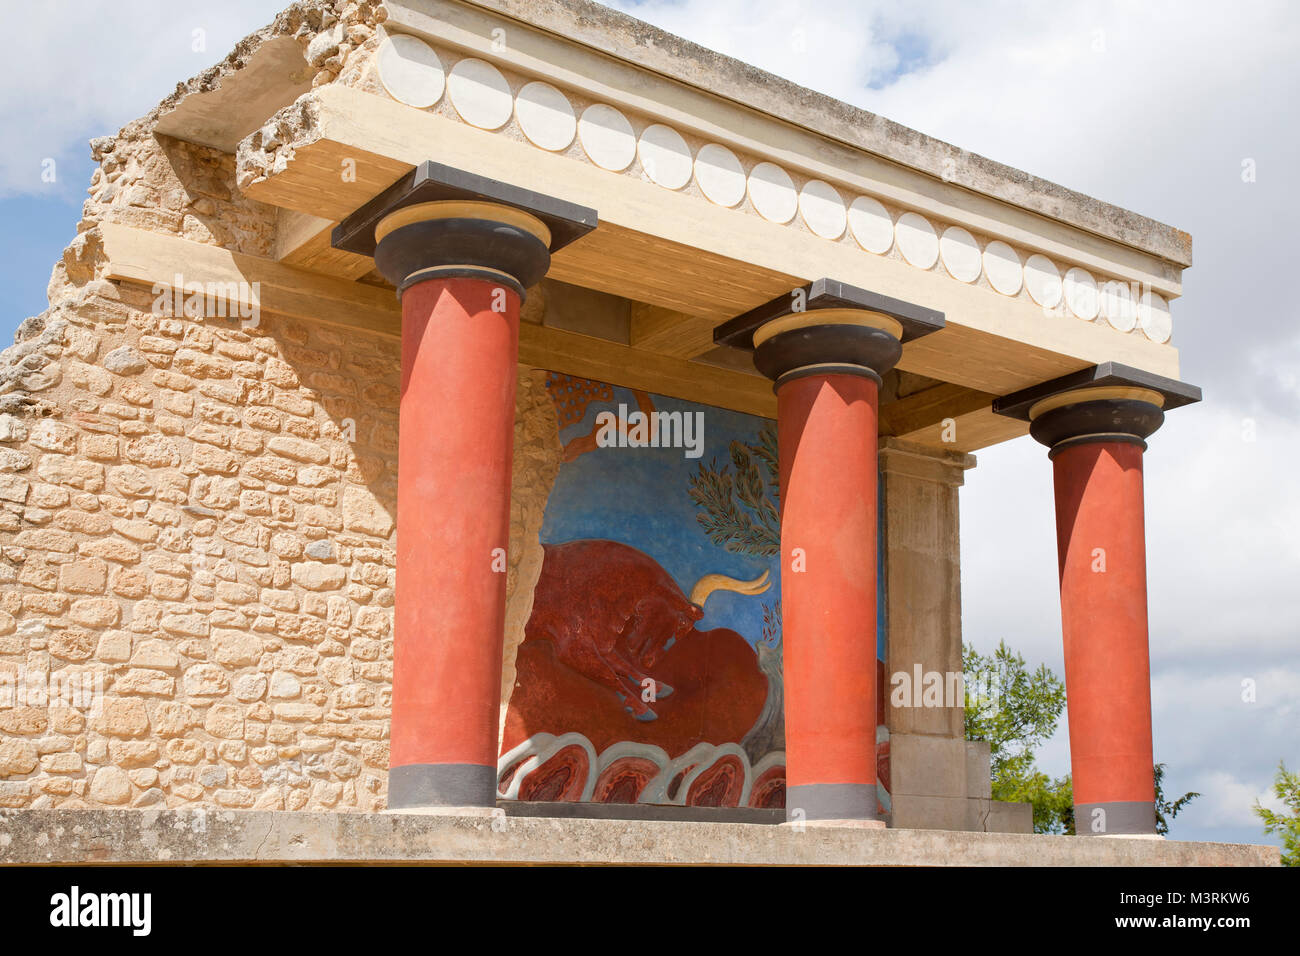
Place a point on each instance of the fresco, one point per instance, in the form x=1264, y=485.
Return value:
x=650, y=670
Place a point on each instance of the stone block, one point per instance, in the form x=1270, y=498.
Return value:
x=978, y=779
x=928, y=766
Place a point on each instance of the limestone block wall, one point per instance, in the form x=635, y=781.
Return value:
x=193, y=544
x=197, y=558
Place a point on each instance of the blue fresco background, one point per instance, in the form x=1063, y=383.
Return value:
x=641, y=497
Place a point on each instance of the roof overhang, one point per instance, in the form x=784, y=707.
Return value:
x=682, y=266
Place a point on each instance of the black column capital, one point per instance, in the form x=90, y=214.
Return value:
x=440, y=222
x=828, y=327
x=1108, y=402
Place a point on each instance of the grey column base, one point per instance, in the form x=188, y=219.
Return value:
x=1116, y=818
x=831, y=801
x=441, y=785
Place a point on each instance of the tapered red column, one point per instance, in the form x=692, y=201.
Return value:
x=826, y=351
x=461, y=250
x=1101, y=546
x=827, y=447
x=1095, y=424
x=1096, y=436
x=453, y=529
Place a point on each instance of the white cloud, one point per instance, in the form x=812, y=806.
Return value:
x=1226, y=802
x=87, y=68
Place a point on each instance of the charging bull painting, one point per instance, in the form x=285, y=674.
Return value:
x=611, y=611
x=650, y=670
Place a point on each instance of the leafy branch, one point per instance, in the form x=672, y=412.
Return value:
x=738, y=501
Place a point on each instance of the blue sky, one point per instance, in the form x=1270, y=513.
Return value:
x=1153, y=107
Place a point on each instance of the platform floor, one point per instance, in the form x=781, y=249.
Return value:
x=279, y=837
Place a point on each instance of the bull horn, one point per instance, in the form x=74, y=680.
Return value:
x=720, y=582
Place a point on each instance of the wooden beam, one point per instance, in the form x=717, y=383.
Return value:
x=932, y=406
x=303, y=240
x=634, y=368
x=148, y=258
x=969, y=432
x=671, y=333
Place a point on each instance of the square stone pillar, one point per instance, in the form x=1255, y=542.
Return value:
x=922, y=586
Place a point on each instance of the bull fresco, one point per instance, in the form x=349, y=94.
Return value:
x=650, y=670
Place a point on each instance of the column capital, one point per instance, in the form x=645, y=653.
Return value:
x=1108, y=402
x=923, y=462
x=827, y=327
x=441, y=222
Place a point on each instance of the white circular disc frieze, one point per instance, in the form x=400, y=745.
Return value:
x=410, y=71
x=1153, y=314
x=1117, y=306
x=607, y=137
x=480, y=94
x=822, y=209
x=664, y=156
x=720, y=175
x=1043, y=281
x=960, y=253
x=917, y=240
x=772, y=192
x=1003, y=268
x=546, y=116
x=871, y=224
x=1081, y=293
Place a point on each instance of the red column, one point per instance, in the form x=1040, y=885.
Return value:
x=1096, y=423
x=827, y=430
x=456, y=436
x=1101, y=545
x=461, y=250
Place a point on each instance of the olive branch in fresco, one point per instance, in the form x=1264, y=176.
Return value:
x=738, y=509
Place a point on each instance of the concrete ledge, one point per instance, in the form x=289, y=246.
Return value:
x=641, y=811
x=271, y=837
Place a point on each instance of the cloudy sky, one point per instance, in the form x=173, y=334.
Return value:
x=1159, y=107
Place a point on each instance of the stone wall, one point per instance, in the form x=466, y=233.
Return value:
x=536, y=465
x=197, y=514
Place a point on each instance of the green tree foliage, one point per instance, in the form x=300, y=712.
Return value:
x=1166, y=811
x=1015, y=710
x=1011, y=708
x=738, y=508
x=1287, y=825
x=1052, y=800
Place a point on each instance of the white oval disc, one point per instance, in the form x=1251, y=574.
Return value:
x=410, y=70
x=1081, y=293
x=1043, y=281
x=1154, y=315
x=607, y=137
x=1002, y=266
x=871, y=224
x=823, y=209
x=546, y=116
x=772, y=192
x=1117, y=305
x=664, y=156
x=960, y=253
x=720, y=175
x=480, y=94
x=917, y=240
